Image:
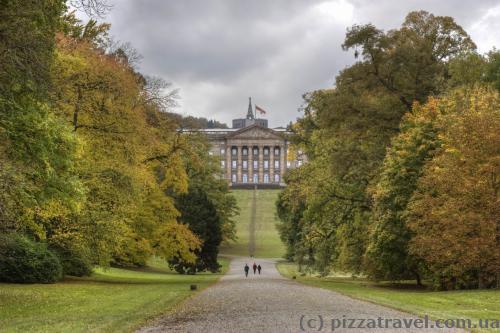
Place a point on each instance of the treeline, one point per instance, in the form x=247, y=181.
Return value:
x=92, y=168
x=196, y=122
x=403, y=178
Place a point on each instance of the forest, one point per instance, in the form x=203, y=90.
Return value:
x=93, y=169
x=404, y=161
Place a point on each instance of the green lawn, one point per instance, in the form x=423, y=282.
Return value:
x=470, y=304
x=267, y=241
x=112, y=300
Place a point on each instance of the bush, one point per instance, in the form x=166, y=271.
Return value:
x=25, y=261
x=75, y=261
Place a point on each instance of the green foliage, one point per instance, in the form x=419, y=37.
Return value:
x=200, y=215
x=467, y=69
x=493, y=69
x=75, y=260
x=454, y=211
x=290, y=207
x=368, y=143
x=25, y=261
x=411, y=62
x=387, y=253
x=196, y=122
x=27, y=31
x=90, y=162
x=130, y=160
x=39, y=174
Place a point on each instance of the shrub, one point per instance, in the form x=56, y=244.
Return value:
x=25, y=261
x=75, y=261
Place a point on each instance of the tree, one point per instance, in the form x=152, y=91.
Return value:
x=411, y=63
x=493, y=69
x=37, y=149
x=454, y=211
x=387, y=254
x=91, y=161
x=346, y=130
x=27, y=43
x=200, y=215
x=290, y=208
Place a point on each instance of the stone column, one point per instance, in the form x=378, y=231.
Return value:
x=239, y=166
x=261, y=163
x=228, y=162
x=250, y=164
x=271, y=163
x=282, y=162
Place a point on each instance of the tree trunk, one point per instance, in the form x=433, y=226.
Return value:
x=419, y=279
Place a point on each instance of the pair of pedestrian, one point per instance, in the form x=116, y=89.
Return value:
x=255, y=268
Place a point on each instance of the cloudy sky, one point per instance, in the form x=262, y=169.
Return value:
x=220, y=52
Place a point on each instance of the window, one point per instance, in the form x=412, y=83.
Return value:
x=233, y=178
x=299, y=162
x=244, y=151
x=276, y=178
x=222, y=151
x=256, y=151
x=276, y=151
x=245, y=164
x=266, y=151
x=255, y=164
x=222, y=164
x=276, y=164
x=245, y=178
x=234, y=151
x=288, y=164
x=266, y=178
x=233, y=164
x=255, y=178
x=266, y=164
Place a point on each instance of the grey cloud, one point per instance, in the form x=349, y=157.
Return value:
x=220, y=52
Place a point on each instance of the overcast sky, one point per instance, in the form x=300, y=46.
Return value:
x=218, y=53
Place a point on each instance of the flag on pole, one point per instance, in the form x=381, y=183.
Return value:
x=260, y=110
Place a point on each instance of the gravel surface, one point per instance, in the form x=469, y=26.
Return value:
x=271, y=303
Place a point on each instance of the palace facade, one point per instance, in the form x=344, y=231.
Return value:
x=251, y=154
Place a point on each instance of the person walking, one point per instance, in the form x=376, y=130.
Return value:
x=259, y=268
x=254, y=267
x=246, y=270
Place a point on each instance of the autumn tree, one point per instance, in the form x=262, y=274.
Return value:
x=37, y=150
x=387, y=256
x=346, y=130
x=454, y=212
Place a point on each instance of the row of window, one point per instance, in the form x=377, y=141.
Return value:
x=244, y=151
x=244, y=164
x=244, y=178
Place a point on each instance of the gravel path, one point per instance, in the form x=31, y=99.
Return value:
x=271, y=303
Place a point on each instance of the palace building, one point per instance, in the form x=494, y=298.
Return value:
x=251, y=154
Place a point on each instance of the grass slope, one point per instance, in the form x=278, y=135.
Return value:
x=112, y=300
x=467, y=304
x=267, y=240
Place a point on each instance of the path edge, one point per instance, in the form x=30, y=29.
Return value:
x=364, y=300
x=151, y=320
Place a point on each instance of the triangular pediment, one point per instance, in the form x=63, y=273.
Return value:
x=255, y=132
